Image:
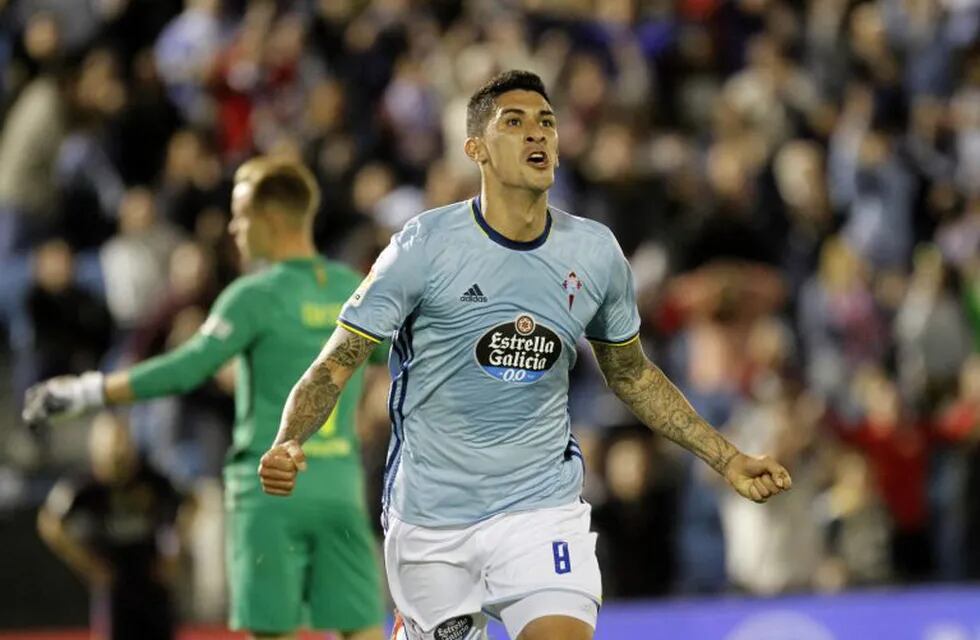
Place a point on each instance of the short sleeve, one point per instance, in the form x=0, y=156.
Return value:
x=72, y=504
x=62, y=499
x=617, y=320
x=391, y=290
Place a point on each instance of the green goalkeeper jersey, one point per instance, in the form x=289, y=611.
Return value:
x=276, y=322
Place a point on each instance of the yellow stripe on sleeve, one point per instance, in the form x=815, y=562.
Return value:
x=354, y=330
x=624, y=343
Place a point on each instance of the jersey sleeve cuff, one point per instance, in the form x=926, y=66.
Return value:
x=615, y=343
x=361, y=331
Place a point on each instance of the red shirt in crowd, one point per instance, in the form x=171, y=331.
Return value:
x=899, y=456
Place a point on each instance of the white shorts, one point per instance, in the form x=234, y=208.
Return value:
x=515, y=567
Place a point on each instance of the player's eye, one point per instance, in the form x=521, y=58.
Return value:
x=513, y=122
x=547, y=123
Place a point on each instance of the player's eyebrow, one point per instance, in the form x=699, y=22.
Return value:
x=542, y=112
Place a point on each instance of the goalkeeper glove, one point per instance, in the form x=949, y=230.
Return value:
x=64, y=397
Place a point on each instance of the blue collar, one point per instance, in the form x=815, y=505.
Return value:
x=503, y=240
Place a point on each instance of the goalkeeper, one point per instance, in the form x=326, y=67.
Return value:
x=309, y=560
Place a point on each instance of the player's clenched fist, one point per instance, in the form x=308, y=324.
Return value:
x=757, y=479
x=279, y=466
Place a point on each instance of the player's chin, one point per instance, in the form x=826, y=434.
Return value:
x=539, y=179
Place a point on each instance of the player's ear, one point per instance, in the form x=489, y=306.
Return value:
x=474, y=150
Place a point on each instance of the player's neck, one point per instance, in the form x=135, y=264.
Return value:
x=293, y=249
x=516, y=214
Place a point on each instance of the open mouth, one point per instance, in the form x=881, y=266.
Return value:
x=537, y=159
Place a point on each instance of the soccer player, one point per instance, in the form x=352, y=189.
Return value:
x=485, y=300
x=286, y=559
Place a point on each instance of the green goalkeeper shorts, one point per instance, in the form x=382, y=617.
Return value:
x=290, y=566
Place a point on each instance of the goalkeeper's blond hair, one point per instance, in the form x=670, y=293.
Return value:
x=281, y=183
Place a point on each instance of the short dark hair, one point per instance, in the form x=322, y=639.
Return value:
x=482, y=103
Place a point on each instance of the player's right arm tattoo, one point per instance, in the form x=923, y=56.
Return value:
x=659, y=404
x=315, y=395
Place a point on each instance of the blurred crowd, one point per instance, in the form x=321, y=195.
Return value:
x=796, y=184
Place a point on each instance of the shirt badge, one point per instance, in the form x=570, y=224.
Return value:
x=571, y=285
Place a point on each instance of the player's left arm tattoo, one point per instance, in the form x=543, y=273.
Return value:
x=659, y=404
x=314, y=397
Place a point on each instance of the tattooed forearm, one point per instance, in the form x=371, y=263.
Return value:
x=315, y=395
x=659, y=404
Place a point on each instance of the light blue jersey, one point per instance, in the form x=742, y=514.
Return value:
x=484, y=331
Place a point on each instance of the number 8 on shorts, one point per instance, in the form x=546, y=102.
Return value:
x=563, y=563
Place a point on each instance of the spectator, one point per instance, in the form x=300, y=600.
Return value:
x=959, y=237
x=839, y=322
x=185, y=52
x=879, y=221
x=771, y=551
x=192, y=283
x=960, y=423
x=71, y=328
x=90, y=185
x=32, y=132
x=897, y=450
x=775, y=550
x=117, y=529
x=133, y=260
x=631, y=520
x=411, y=110
x=145, y=123
x=965, y=106
x=802, y=186
x=931, y=333
x=857, y=527
x=191, y=181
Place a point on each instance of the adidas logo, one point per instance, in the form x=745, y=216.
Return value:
x=473, y=294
